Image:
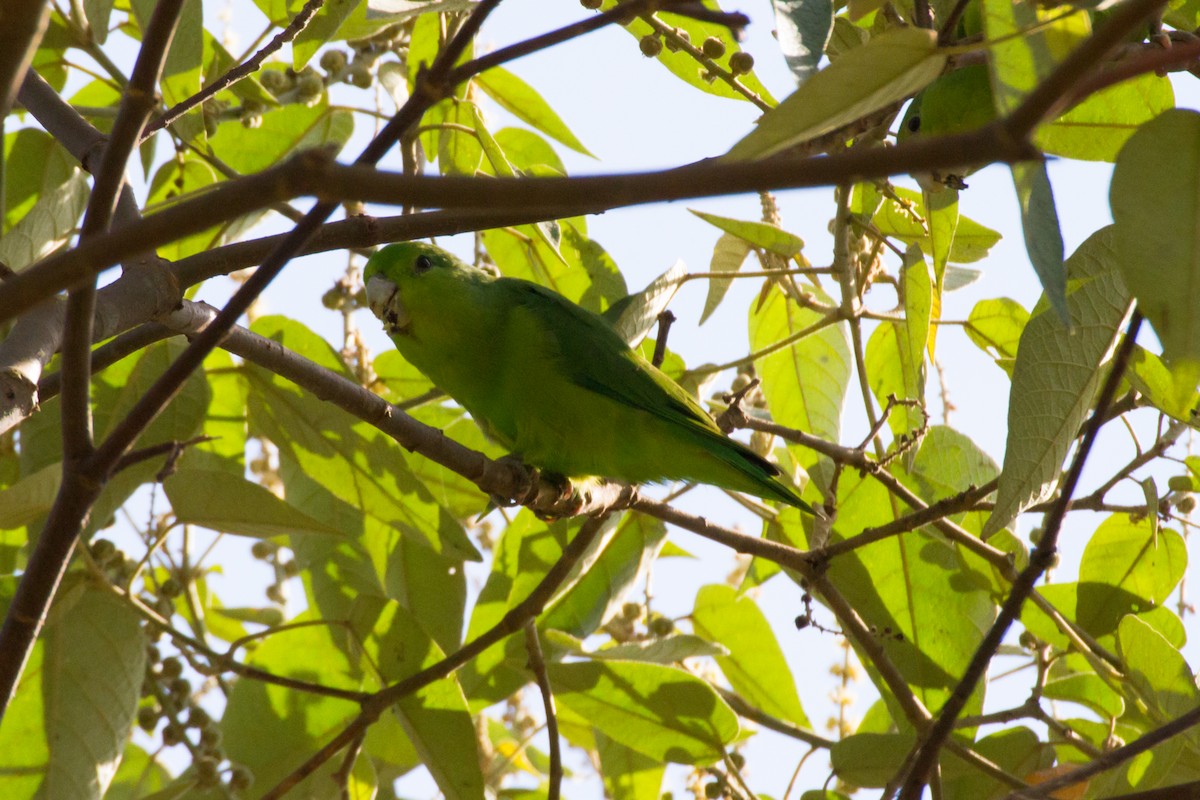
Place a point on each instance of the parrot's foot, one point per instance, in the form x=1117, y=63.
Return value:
x=525, y=482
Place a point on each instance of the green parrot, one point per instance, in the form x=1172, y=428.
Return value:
x=550, y=381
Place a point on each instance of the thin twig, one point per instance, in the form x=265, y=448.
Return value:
x=510, y=623
x=298, y=24
x=537, y=665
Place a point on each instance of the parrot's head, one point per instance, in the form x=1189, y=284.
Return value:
x=407, y=276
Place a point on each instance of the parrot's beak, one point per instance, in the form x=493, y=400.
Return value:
x=385, y=303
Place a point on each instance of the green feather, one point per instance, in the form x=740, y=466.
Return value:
x=550, y=381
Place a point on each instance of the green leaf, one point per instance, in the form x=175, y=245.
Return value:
x=887, y=69
x=273, y=729
x=728, y=256
x=661, y=712
x=669, y=650
x=1157, y=670
x=1015, y=749
x=1043, y=236
x=1086, y=689
x=995, y=326
x=1097, y=128
x=47, y=225
x=948, y=462
x=24, y=753
x=628, y=775
x=804, y=382
x=943, y=225
x=1156, y=205
x=184, y=64
x=370, y=18
x=1172, y=391
x=802, y=27
x=972, y=241
x=870, y=760
x=89, y=712
x=335, y=468
x=634, y=315
x=232, y=504
x=284, y=131
x=174, y=182
x=34, y=166
x=435, y=717
x=755, y=666
x=1125, y=569
x=1056, y=377
x=98, y=12
x=30, y=498
x=769, y=237
x=606, y=576
x=892, y=371
x=523, y=102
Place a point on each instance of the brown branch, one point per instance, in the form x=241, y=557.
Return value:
x=126, y=344
x=80, y=486
x=513, y=621
x=746, y=711
x=137, y=101
x=523, y=199
x=1120, y=755
x=1050, y=96
x=298, y=23
x=537, y=665
x=24, y=25
x=1039, y=560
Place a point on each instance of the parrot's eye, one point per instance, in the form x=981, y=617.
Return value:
x=422, y=264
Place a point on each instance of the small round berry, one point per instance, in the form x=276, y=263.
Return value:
x=262, y=549
x=172, y=734
x=591, y=5
x=102, y=551
x=170, y=589
x=275, y=593
x=198, y=717
x=172, y=668
x=661, y=626
x=208, y=773
x=1186, y=504
x=181, y=687
x=210, y=737
x=147, y=718
x=275, y=82
x=333, y=60
x=291, y=569
x=240, y=778
x=650, y=45
x=741, y=62
x=359, y=76
x=713, y=47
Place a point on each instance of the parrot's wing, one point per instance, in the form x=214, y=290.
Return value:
x=594, y=356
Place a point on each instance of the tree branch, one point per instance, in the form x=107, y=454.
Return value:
x=513, y=621
x=24, y=25
x=537, y=665
x=1039, y=560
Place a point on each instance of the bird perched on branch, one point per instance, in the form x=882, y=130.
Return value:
x=553, y=382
